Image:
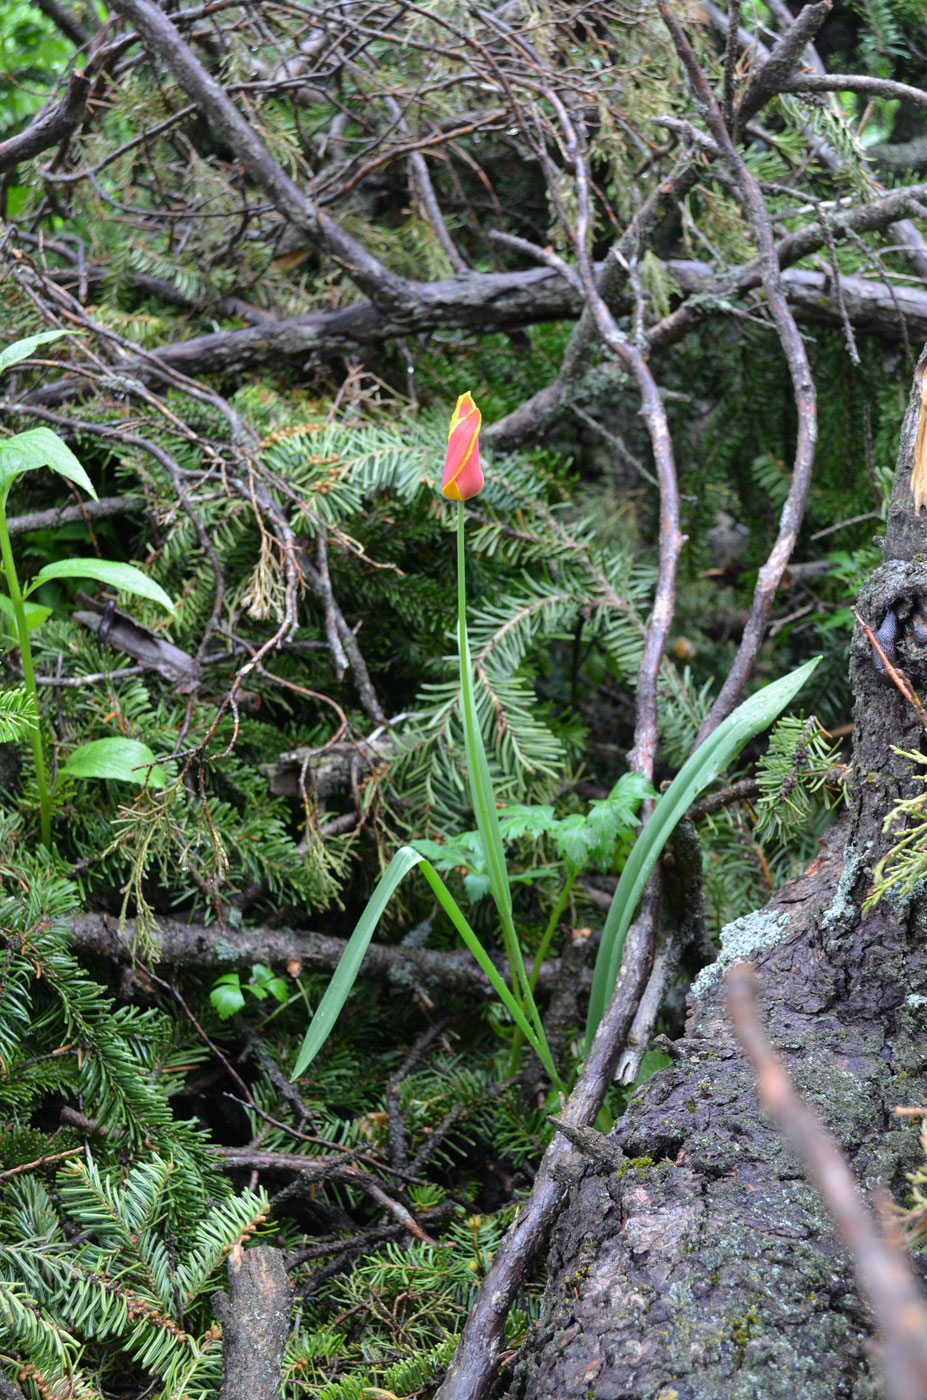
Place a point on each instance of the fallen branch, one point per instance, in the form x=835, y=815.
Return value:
x=255, y=1317
x=57, y=516
x=511, y=300
x=210, y=946
x=793, y=349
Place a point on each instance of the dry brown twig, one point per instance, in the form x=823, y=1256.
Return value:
x=895, y=675
x=793, y=348
x=883, y=1272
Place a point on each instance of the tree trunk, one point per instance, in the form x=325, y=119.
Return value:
x=705, y=1267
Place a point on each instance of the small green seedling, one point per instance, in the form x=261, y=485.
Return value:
x=117, y=758
x=229, y=994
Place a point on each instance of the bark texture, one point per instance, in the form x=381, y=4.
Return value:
x=704, y=1267
x=255, y=1316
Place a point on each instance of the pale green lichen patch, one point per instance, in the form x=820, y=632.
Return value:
x=740, y=940
x=841, y=907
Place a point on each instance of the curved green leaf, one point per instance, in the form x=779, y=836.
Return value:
x=22, y=349
x=122, y=760
x=345, y=974
x=35, y=613
x=693, y=777
x=40, y=447
x=125, y=577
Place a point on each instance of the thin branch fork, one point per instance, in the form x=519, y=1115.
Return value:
x=223, y=116
x=770, y=574
x=905, y=231
x=632, y=358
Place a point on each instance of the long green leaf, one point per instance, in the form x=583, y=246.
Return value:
x=345, y=974
x=696, y=773
x=533, y=1035
x=22, y=349
x=40, y=447
x=123, y=576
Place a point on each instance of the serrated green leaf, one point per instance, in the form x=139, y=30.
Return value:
x=125, y=577
x=120, y=760
x=226, y=996
x=606, y=822
x=40, y=447
x=534, y=821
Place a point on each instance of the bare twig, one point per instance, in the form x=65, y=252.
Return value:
x=101, y=509
x=799, y=370
x=855, y=82
x=224, y=117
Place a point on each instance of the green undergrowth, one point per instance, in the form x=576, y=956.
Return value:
x=118, y=1210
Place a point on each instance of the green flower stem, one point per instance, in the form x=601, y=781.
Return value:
x=562, y=901
x=550, y=930
x=484, y=803
x=25, y=652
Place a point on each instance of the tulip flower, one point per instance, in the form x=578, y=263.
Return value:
x=463, y=476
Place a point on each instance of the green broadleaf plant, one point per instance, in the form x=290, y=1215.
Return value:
x=579, y=840
x=122, y=759
x=228, y=991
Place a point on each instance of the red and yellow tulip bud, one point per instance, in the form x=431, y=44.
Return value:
x=463, y=476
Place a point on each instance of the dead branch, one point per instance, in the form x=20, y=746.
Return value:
x=855, y=82
x=9, y=1390
x=774, y=72
x=79, y=34
x=223, y=116
x=255, y=1316
x=799, y=370
x=63, y=515
x=212, y=947
x=52, y=125
x=509, y=301
x=905, y=231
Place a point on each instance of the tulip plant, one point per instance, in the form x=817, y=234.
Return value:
x=462, y=480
